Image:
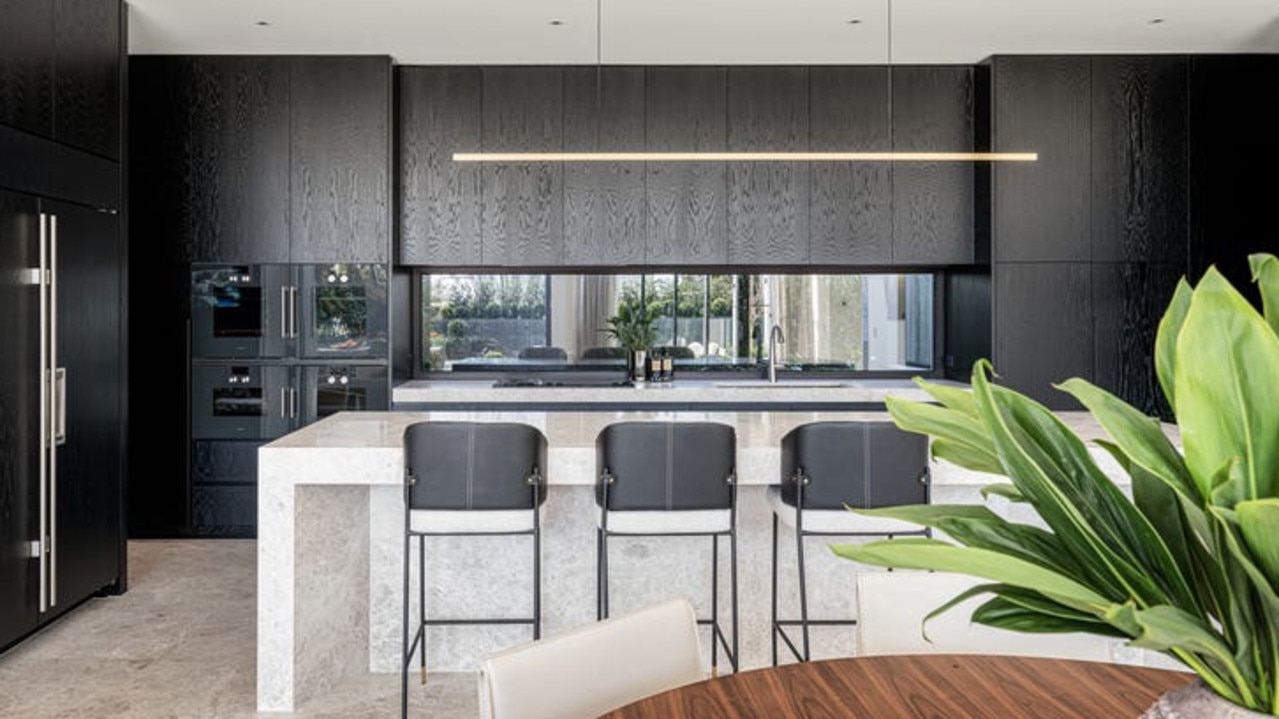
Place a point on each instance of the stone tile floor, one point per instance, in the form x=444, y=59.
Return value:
x=181, y=643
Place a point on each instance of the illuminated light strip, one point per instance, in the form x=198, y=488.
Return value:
x=745, y=156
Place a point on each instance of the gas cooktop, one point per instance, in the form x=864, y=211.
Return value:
x=540, y=382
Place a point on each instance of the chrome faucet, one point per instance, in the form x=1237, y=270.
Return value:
x=774, y=338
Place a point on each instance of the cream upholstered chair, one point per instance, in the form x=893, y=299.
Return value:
x=891, y=607
x=596, y=668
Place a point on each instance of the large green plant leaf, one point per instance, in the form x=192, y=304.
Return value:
x=1259, y=524
x=1265, y=272
x=957, y=398
x=1166, y=340
x=916, y=553
x=1227, y=388
x=1140, y=437
x=1164, y=628
x=1002, y=613
x=965, y=440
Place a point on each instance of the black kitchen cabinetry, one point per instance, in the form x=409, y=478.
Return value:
x=62, y=514
x=680, y=214
x=1088, y=242
x=60, y=71
x=269, y=181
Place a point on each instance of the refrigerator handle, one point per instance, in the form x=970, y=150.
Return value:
x=293, y=403
x=293, y=311
x=60, y=405
x=56, y=434
x=43, y=539
x=284, y=403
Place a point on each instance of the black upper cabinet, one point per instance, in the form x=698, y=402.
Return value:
x=686, y=111
x=233, y=168
x=86, y=95
x=849, y=212
x=1139, y=159
x=604, y=203
x=1043, y=320
x=439, y=114
x=1043, y=213
x=26, y=65
x=60, y=71
x=933, y=201
x=768, y=201
x=522, y=210
x=340, y=166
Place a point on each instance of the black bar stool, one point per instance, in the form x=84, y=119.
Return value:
x=472, y=479
x=827, y=466
x=670, y=479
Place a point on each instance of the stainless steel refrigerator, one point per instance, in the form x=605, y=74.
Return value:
x=61, y=355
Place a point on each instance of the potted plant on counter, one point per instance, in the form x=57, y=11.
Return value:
x=1190, y=565
x=633, y=329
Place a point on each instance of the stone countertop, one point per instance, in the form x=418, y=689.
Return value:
x=678, y=391
x=341, y=448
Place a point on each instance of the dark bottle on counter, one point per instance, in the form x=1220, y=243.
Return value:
x=653, y=369
x=668, y=367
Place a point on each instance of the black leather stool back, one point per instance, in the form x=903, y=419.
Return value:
x=861, y=464
x=666, y=465
x=473, y=465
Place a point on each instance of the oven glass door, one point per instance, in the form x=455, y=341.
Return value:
x=344, y=311
x=330, y=389
x=241, y=311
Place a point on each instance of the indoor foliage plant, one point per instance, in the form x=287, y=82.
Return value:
x=633, y=329
x=1190, y=565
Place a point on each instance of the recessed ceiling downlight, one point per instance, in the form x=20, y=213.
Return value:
x=262, y=23
x=555, y=23
x=1155, y=21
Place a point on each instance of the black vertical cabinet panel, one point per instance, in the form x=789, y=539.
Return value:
x=89, y=322
x=968, y=325
x=87, y=76
x=1139, y=159
x=768, y=201
x=522, y=206
x=933, y=202
x=1129, y=300
x=159, y=293
x=1042, y=209
x=1234, y=150
x=439, y=114
x=340, y=144
x=604, y=202
x=849, y=206
x=26, y=65
x=1043, y=327
x=232, y=164
x=19, y=417
x=686, y=110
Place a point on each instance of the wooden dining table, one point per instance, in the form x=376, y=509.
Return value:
x=935, y=686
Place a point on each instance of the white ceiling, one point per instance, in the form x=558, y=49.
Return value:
x=700, y=31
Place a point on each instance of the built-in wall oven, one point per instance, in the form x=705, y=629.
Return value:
x=277, y=311
x=329, y=389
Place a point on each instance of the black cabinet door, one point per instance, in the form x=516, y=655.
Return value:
x=604, y=203
x=439, y=114
x=768, y=201
x=26, y=65
x=86, y=93
x=340, y=144
x=1129, y=300
x=19, y=417
x=522, y=220
x=849, y=215
x=233, y=162
x=933, y=201
x=1139, y=159
x=86, y=543
x=686, y=111
x=1043, y=327
x=1042, y=209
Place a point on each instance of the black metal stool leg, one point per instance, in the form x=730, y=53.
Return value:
x=732, y=540
x=803, y=591
x=404, y=651
x=715, y=605
x=773, y=626
x=604, y=571
x=599, y=573
x=537, y=578
x=421, y=601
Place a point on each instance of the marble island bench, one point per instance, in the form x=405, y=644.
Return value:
x=330, y=546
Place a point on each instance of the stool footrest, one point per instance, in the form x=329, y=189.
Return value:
x=478, y=620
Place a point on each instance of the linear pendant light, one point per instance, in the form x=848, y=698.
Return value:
x=831, y=156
